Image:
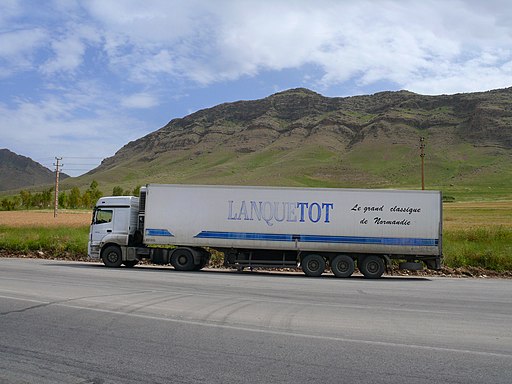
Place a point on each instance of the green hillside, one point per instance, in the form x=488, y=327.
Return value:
x=301, y=138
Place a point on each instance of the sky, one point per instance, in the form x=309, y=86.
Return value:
x=80, y=79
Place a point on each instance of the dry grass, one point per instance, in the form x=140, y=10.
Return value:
x=44, y=218
x=460, y=215
x=465, y=215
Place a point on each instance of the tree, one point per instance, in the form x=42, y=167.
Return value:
x=26, y=198
x=63, y=200
x=94, y=194
x=86, y=199
x=117, y=191
x=16, y=202
x=7, y=204
x=136, y=190
x=37, y=200
x=46, y=198
x=75, y=200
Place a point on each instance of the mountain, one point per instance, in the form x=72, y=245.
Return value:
x=18, y=171
x=301, y=138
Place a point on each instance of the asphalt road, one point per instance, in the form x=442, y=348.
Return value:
x=64, y=322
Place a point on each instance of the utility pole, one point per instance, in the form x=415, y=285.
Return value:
x=56, y=200
x=422, y=155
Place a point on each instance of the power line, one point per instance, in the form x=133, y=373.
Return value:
x=81, y=157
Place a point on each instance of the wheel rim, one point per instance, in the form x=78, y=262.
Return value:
x=112, y=257
x=314, y=265
x=182, y=260
x=342, y=266
x=372, y=267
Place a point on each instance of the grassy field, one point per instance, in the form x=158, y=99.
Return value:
x=39, y=232
x=45, y=218
x=476, y=234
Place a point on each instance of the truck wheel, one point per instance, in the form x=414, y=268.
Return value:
x=112, y=256
x=313, y=265
x=343, y=266
x=130, y=263
x=372, y=267
x=201, y=265
x=182, y=260
x=205, y=259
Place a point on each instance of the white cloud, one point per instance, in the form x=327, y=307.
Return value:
x=68, y=56
x=365, y=41
x=160, y=21
x=17, y=49
x=69, y=49
x=209, y=42
x=10, y=9
x=140, y=100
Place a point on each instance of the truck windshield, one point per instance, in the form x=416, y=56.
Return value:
x=102, y=216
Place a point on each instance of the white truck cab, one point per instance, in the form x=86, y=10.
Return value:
x=114, y=221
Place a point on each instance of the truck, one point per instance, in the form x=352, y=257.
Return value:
x=315, y=229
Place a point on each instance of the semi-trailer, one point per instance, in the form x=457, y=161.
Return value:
x=271, y=227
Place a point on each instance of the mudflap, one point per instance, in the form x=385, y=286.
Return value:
x=435, y=264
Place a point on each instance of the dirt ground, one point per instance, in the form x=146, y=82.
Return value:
x=45, y=218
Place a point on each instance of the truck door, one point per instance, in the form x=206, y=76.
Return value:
x=102, y=224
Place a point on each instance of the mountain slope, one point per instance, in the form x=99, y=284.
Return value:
x=299, y=137
x=18, y=171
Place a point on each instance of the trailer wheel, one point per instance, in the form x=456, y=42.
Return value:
x=313, y=265
x=112, y=256
x=130, y=263
x=343, y=266
x=182, y=260
x=372, y=267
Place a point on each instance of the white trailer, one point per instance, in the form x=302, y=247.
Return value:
x=277, y=227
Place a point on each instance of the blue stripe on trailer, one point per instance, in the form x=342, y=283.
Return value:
x=404, y=241
x=158, y=232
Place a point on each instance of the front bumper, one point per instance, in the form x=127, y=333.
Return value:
x=93, y=251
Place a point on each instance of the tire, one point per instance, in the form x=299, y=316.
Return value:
x=313, y=265
x=205, y=259
x=130, y=263
x=201, y=265
x=112, y=256
x=372, y=267
x=182, y=260
x=343, y=266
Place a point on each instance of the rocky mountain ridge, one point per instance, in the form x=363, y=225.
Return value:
x=480, y=118
x=18, y=171
x=299, y=137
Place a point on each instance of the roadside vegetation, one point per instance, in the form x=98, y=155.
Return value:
x=47, y=242
x=72, y=199
x=478, y=234
x=488, y=247
x=475, y=235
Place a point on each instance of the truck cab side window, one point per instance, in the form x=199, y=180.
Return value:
x=103, y=216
